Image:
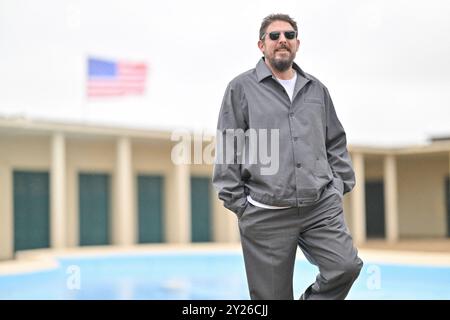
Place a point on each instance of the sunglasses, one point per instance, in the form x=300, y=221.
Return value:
x=275, y=35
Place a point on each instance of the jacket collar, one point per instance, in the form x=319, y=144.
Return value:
x=263, y=71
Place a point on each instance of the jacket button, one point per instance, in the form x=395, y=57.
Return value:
x=291, y=114
x=295, y=138
x=299, y=165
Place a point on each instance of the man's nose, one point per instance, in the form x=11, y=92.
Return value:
x=282, y=38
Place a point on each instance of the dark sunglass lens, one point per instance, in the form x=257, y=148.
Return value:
x=289, y=35
x=274, y=35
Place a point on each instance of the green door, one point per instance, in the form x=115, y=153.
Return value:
x=150, y=208
x=94, y=209
x=200, y=209
x=375, y=227
x=31, y=210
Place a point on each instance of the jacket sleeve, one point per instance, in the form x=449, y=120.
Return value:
x=336, y=144
x=227, y=179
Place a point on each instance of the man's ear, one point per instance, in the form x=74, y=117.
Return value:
x=298, y=44
x=261, y=45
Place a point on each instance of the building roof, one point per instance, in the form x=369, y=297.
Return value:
x=23, y=125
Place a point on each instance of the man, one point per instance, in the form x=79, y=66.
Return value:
x=301, y=203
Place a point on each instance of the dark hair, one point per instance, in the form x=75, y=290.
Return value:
x=275, y=17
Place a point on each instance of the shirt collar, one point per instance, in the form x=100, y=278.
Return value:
x=263, y=71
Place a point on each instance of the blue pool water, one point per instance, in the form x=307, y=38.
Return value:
x=204, y=276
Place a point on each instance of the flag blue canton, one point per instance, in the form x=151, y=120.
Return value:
x=101, y=68
x=106, y=78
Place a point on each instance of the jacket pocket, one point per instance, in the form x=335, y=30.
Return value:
x=313, y=100
x=247, y=206
x=338, y=184
x=322, y=168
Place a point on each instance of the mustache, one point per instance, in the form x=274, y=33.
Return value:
x=283, y=47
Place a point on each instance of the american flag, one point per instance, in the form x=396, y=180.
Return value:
x=115, y=78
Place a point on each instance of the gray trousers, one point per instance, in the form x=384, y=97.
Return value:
x=269, y=243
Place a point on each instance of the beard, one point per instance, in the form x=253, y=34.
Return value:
x=281, y=64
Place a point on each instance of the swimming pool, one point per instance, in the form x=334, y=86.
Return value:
x=204, y=275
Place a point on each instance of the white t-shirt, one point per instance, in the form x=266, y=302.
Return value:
x=289, y=86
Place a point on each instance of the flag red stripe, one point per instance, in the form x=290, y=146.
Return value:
x=130, y=79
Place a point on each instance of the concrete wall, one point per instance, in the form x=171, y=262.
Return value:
x=373, y=167
x=151, y=159
x=421, y=192
x=22, y=152
x=224, y=224
x=422, y=207
x=86, y=156
x=373, y=170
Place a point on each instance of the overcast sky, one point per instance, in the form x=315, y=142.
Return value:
x=385, y=63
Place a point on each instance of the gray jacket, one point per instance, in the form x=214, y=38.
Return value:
x=312, y=142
